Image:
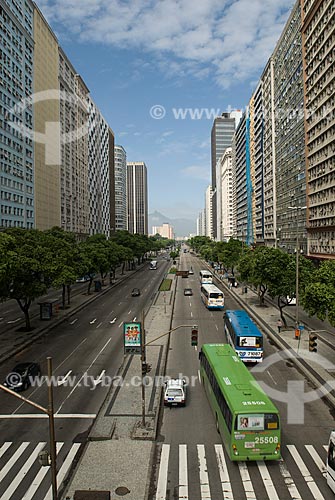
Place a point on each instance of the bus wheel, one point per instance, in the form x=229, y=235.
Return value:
x=217, y=423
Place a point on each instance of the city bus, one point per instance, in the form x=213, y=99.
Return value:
x=244, y=336
x=206, y=277
x=331, y=462
x=212, y=297
x=153, y=264
x=246, y=419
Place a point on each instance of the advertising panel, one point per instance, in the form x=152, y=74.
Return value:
x=132, y=338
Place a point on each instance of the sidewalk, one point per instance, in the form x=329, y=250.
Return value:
x=13, y=341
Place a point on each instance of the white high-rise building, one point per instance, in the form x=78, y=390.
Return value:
x=226, y=199
x=137, y=197
x=209, y=212
x=120, y=166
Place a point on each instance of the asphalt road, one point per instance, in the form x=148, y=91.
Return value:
x=189, y=450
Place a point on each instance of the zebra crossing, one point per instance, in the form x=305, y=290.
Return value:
x=21, y=475
x=204, y=473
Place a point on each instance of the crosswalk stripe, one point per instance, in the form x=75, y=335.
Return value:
x=292, y=489
x=21, y=474
x=204, y=482
x=4, y=471
x=305, y=472
x=269, y=486
x=163, y=471
x=183, y=478
x=39, y=477
x=5, y=447
x=317, y=459
x=247, y=484
x=223, y=470
x=64, y=468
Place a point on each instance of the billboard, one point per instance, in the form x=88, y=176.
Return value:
x=132, y=333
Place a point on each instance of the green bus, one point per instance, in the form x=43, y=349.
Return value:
x=245, y=417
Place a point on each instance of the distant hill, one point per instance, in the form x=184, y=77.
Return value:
x=182, y=227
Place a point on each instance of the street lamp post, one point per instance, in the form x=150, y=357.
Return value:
x=297, y=251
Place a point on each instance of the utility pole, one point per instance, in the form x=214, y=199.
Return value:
x=53, y=454
x=143, y=369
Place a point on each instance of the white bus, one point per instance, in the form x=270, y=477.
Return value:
x=212, y=297
x=153, y=264
x=331, y=462
x=206, y=277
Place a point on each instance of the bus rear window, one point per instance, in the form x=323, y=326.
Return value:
x=214, y=295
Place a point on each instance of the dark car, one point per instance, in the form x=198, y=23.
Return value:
x=19, y=379
x=135, y=292
x=188, y=291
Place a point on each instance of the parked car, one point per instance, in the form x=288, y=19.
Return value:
x=135, y=292
x=20, y=378
x=175, y=392
x=188, y=291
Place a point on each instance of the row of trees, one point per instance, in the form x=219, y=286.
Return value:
x=273, y=272
x=32, y=261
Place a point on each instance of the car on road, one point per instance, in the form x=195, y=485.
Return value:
x=20, y=378
x=175, y=392
x=191, y=271
x=188, y=291
x=135, y=292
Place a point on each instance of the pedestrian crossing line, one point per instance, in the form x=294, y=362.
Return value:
x=64, y=468
x=317, y=459
x=22, y=473
x=288, y=480
x=162, y=475
x=269, y=486
x=39, y=477
x=203, y=474
x=183, y=478
x=223, y=470
x=5, y=447
x=4, y=471
x=246, y=481
x=305, y=472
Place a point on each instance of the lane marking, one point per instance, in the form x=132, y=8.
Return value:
x=224, y=475
x=191, y=314
x=129, y=311
x=271, y=377
x=99, y=379
x=13, y=321
x=42, y=415
x=113, y=321
x=63, y=379
x=64, y=469
x=295, y=495
x=6, y=468
x=183, y=479
x=121, y=324
x=199, y=376
x=216, y=326
x=93, y=321
x=134, y=319
x=305, y=472
x=74, y=321
x=267, y=481
x=163, y=473
x=203, y=474
x=98, y=326
x=317, y=459
x=5, y=447
x=247, y=484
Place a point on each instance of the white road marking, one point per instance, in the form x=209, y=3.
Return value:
x=99, y=379
x=199, y=376
x=163, y=472
x=13, y=321
x=267, y=481
x=64, y=468
x=22, y=472
x=317, y=459
x=271, y=377
x=5, y=447
x=134, y=319
x=129, y=311
x=223, y=470
x=74, y=321
x=113, y=321
x=121, y=324
x=292, y=489
x=63, y=379
x=183, y=479
x=216, y=326
x=204, y=480
x=247, y=484
x=1, y=319
x=98, y=326
x=6, y=468
x=93, y=321
x=190, y=304
x=305, y=472
x=39, y=477
x=43, y=415
x=191, y=314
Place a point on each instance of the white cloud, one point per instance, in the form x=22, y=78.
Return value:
x=231, y=39
x=196, y=172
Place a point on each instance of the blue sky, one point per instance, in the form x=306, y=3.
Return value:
x=134, y=55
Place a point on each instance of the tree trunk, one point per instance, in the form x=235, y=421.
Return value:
x=63, y=296
x=122, y=268
x=68, y=294
x=89, y=286
x=25, y=309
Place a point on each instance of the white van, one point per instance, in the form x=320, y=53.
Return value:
x=331, y=462
x=175, y=392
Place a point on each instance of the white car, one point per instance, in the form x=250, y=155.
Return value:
x=175, y=392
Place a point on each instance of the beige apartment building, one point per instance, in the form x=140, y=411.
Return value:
x=318, y=46
x=46, y=125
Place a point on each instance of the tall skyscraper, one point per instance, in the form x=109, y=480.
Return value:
x=137, y=197
x=221, y=136
x=120, y=157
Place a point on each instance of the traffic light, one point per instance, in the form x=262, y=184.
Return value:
x=313, y=342
x=194, y=336
x=146, y=368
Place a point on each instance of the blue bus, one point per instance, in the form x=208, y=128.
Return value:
x=244, y=336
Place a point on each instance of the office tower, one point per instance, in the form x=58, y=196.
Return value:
x=165, y=230
x=17, y=120
x=227, y=201
x=318, y=41
x=74, y=150
x=137, y=197
x=239, y=169
x=98, y=172
x=120, y=158
x=46, y=125
x=221, y=135
x=209, y=212
x=111, y=165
